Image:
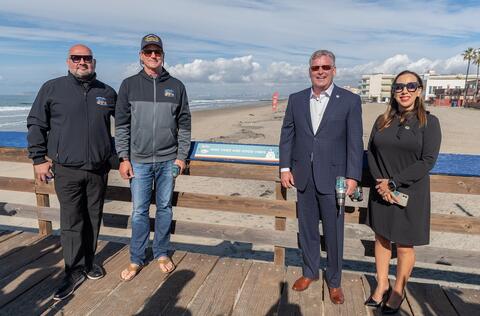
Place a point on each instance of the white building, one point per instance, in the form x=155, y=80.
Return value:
x=444, y=82
x=376, y=87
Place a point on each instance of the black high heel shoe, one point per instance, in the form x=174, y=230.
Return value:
x=390, y=310
x=372, y=303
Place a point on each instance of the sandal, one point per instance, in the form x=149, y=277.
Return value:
x=163, y=262
x=130, y=272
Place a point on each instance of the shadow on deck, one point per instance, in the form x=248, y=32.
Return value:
x=202, y=284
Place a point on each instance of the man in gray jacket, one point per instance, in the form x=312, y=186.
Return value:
x=152, y=136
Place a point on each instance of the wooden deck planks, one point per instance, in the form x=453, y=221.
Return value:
x=352, y=286
x=261, y=291
x=127, y=297
x=174, y=295
x=218, y=293
x=465, y=301
x=428, y=299
x=201, y=285
x=21, y=280
x=17, y=242
x=91, y=292
x=306, y=303
x=39, y=297
x=6, y=234
x=26, y=254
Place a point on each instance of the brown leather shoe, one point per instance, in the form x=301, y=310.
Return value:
x=302, y=283
x=336, y=295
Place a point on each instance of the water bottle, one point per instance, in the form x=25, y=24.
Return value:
x=175, y=171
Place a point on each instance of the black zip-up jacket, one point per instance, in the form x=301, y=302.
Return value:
x=70, y=123
x=153, y=121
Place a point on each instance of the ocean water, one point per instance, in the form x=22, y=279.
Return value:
x=14, y=109
x=13, y=112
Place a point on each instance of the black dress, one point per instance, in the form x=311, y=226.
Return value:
x=406, y=153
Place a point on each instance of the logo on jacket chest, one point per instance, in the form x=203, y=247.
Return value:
x=101, y=101
x=169, y=93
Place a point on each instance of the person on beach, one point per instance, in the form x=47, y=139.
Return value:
x=321, y=138
x=152, y=135
x=69, y=123
x=403, y=147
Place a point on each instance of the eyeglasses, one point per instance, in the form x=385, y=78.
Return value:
x=411, y=87
x=324, y=67
x=148, y=52
x=77, y=58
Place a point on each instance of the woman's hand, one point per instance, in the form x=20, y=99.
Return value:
x=384, y=191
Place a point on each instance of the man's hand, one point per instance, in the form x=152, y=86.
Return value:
x=126, y=170
x=42, y=171
x=181, y=164
x=286, y=177
x=351, y=186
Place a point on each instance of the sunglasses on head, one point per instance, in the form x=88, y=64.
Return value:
x=77, y=58
x=411, y=86
x=148, y=52
x=324, y=67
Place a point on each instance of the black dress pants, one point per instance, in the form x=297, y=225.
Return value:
x=81, y=195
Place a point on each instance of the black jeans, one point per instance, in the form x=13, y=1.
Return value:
x=81, y=195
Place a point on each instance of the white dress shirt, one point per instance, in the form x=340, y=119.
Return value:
x=318, y=104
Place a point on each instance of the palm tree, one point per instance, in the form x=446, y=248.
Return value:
x=468, y=54
x=476, y=61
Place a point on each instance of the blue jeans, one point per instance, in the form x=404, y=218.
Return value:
x=147, y=175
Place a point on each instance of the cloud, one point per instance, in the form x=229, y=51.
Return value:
x=399, y=62
x=242, y=42
x=237, y=69
x=366, y=30
x=1, y=78
x=131, y=69
x=246, y=70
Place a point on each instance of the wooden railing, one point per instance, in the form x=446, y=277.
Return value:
x=280, y=208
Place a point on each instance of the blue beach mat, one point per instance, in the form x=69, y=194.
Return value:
x=13, y=139
x=447, y=164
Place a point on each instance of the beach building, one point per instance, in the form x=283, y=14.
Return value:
x=433, y=83
x=352, y=89
x=376, y=87
x=449, y=89
x=439, y=89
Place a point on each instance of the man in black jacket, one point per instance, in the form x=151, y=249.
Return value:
x=70, y=124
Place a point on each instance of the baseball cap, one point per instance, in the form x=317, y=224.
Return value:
x=151, y=39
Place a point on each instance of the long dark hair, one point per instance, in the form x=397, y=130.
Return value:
x=393, y=108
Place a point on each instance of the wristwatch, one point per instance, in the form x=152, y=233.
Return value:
x=392, y=185
x=122, y=159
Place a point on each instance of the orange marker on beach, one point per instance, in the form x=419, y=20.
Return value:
x=275, y=101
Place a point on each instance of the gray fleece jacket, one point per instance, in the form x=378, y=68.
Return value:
x=152, y=119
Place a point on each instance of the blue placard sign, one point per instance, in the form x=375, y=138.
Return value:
x=267, y=154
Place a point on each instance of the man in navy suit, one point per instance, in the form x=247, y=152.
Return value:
x=321, y=139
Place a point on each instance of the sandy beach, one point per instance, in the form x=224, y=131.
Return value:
x=258, y=124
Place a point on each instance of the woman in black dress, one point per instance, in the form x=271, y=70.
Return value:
x=403, y=148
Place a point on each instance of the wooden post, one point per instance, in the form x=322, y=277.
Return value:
x=280, y=224
x=44, y=227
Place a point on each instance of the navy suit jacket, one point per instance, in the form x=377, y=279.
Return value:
x=335, y=150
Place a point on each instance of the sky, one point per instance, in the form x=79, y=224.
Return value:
x=236, y=48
